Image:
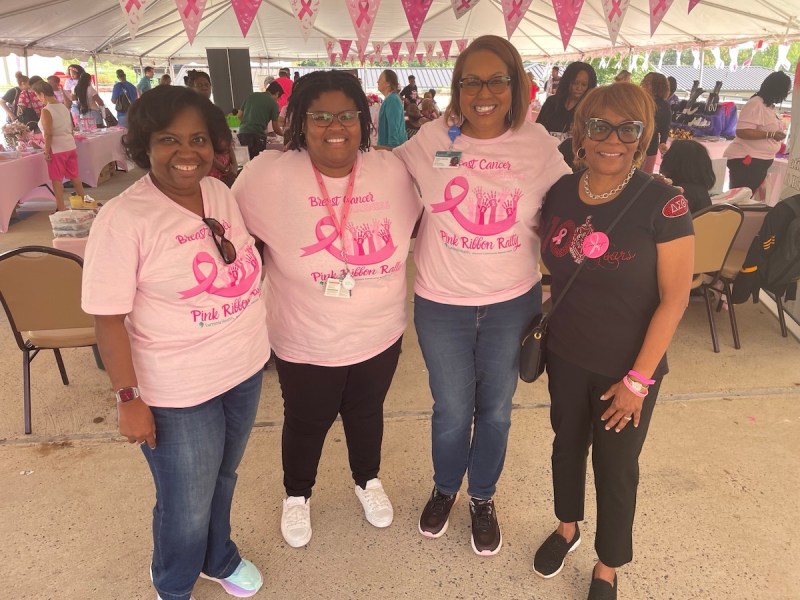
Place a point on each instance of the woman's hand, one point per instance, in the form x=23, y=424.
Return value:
x=625, y=407
x=778, y=136
x=136, y=422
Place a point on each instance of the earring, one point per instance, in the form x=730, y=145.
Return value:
x=638, y=159
x=580, y=153
x=510, y=114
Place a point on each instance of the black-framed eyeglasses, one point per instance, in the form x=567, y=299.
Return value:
x=471, y=86
x=628, y=132
x=347, y=118
x=226, y=248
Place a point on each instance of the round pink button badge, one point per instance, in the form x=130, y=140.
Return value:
x=595, y=244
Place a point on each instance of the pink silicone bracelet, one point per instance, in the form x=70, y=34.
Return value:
x=641, y=377
x=630, y=387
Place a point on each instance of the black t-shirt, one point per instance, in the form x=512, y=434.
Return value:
x=696, y=195
x=663, y=120
x=601, y=323
x=11, y=95
x=555, y=117
x=410, y=92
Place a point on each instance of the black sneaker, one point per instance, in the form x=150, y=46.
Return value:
x=600, y=589
x=436, y=515
x=486, y=537
x=550, y=556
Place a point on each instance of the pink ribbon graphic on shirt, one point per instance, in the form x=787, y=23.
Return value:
x=478, y=227
x=373, y=257
x=205, y=283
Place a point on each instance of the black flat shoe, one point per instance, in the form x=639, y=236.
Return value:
x=600, y=589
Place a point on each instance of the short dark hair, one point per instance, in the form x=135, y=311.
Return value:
x=775, y=88
x=569, y=76
x=410, y=77
x=673, y=84
x=35, y=79
x=275, y=88
x=687, y=162
x=148, y=68
x=121, y=74
x=156, y=109
x=42, y=87
x=310, y=87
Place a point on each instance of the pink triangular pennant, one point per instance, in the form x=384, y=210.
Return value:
x=245, y=11
x=658, y=9
x=567, y=12
x=133, y=10
x=416, y=11
x=614, y=11
x=411, y=47
x=345, y=46
x=333, y=58
x=361, y=48
x=362, y=13
x=446, y=44
x=191, y=11
x=402, y=57
x=419, y=58
x=306, y=12
x=430, y=47
x=461, y=44
x=371, y=59
x=395, y=48
x=513, y=11
x=462, y=7
x=692, y=4
x=377, y=47
x=329, y=45
x=390, y=60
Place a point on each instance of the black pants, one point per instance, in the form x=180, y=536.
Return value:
x=255, y=143
x=575, y=413
x=312, y=398
x=751, y=176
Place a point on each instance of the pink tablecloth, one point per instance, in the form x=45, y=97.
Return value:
x=17, y=178
x=96, y=151
x=74, y=245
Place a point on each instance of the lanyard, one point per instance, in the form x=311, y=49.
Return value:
x=337, y=224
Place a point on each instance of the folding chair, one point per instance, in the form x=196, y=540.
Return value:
x=715, y=229
x=40, y=289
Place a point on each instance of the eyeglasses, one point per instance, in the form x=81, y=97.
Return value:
x=628, y=132
x=226, y=248
x=471, y=86
x=347, y=118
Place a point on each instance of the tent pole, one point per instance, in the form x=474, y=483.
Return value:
x=702, y=62
x=25, y=54
x=96, y=78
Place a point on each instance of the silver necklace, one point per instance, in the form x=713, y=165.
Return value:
x=609, y=193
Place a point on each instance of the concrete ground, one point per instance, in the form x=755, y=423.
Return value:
x=716, y=519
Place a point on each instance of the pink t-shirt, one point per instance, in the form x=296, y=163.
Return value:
x=476, y=244
x=756, y=115
x=196, y=325
x=303, y=249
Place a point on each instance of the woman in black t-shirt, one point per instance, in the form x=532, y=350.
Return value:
x=658, y=88
x=689, y=167
x=558, y=110
x=608, y=338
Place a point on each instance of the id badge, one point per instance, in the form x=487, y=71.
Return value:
x=447, y=159
x=334, y=289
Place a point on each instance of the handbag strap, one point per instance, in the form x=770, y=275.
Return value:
x=607, y=232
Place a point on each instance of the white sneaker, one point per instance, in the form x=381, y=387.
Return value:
x=296, y=521
x=377, y=507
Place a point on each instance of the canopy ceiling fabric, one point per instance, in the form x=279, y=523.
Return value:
x=97, y=27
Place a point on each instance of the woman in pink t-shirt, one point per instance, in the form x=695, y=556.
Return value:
x=336, y=242
x=483, y=171
x=173, y=279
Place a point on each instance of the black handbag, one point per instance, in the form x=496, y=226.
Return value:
x=111, y=120
x=533, y=351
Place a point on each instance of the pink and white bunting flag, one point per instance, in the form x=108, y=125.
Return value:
x=333, y=58
x=390, y=59
x=345, y=46
x=446, y=45
x=419, y=57
x=371, y=59
x=567, y=12
x=361, y=49
x=395, y=48
x=133, y=9
x=362, y=13
x=412, y=48
x=614, y=11
x=430, y=47
x=245, y=11
x=692, y=4
x=377, y=47
x=329, y=45
x=658, y=9
x=191, y=11
x=462, y=7
x=306, y=12
x=416, y=11
x=513, y=12
x=461, y=44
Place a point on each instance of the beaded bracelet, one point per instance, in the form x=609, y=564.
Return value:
x=628, y=385
x=641, y=377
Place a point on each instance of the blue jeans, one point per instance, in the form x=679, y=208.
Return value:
x=122, y=117
x=472, y=356
x=198, y=450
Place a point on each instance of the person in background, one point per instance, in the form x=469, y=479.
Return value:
x=427, y=109
x=224, y=166
x=673, y=88
x=336, y=311
x=477, y=282
x=623, y=76
x=551, y=85
x=22, y=104
x=689, y=167
x=9, y=99
x=180, y=395
x=657, y=86
x=234, y=118
x=286, y=85
x=74, y=72
x=557, y=111
x=534, y=86
x=59, y=145
x=146, y=82
x=89, y=101
x=391, y=117
x=437, y=111
x=409, y=93
x=165, y=79
x=260, y=108
x=415, y=120
x=296, y=76
x=58, y=90
x=759, y=133
x=123, y=94
x=632, y=294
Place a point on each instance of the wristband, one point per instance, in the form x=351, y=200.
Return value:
x=770, y=134
x=641, y=377
x=641, y=394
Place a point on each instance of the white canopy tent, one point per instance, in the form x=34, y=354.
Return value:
x=97, y=28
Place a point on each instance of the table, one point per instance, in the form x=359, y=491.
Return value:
x=18, y=177
x=74, y=245
x=96, y=150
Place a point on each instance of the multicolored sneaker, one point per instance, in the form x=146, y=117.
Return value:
x=244, y=582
